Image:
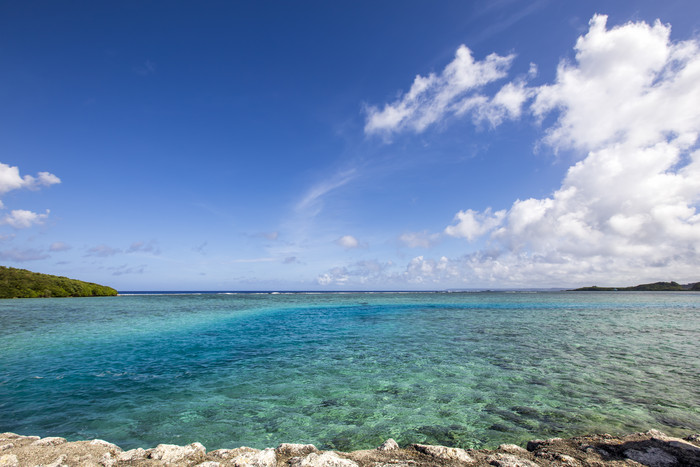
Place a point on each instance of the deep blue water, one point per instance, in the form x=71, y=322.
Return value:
x=347, y=371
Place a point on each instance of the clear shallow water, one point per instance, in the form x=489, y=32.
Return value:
x=347, y=371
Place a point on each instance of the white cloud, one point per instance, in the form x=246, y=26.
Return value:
x=472, y=224
x=10, y=179
x=434, y=97
x=359, y=273
x=419, y=239
x=632, y=101
x=313, y=198
x=629, y=83
x=22, y=219
x=625, y=213
x=348, y=242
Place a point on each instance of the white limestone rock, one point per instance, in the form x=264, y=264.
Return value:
x=295, y=450
x=443, y=452
x=50, y=441
x=326, y=459
x=388, y=445
x=233, y=453
x=106, y=444
x=9, y=460
x=512, y=449
x=173, y=454
x=133, y=454
x=58, y=462
x=264, y=458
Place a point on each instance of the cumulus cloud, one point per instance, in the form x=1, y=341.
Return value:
x=628, y=105
x=631, y=102
x=22, y=219
x=348, y=242
x=454, y=91
x=10, y=179
x=472, y=224
x=629, y=83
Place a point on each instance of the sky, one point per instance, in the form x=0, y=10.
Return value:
x=351, y=145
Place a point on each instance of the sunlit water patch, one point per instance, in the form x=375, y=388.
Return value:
x=348, y=371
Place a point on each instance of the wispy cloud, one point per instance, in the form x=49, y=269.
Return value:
x=254, y=260
x=102, y=251
x=59, y=246
x=22, y=255
x=201, y=248
x=312, y=201
x=144, y=247
x=419, y=239
x=125, y=269
x=146, y=68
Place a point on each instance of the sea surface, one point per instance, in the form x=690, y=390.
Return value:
x=347, y=371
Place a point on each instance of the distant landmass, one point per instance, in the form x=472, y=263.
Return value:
x=653, y=287
x=20, y=283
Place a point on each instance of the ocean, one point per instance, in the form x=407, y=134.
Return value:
x=347, y=371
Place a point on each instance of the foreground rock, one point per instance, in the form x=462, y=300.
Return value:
x=652, y=449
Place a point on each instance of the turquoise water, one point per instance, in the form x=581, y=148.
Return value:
x=347, y=371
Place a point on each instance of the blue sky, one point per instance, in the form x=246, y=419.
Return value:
x=351, y=145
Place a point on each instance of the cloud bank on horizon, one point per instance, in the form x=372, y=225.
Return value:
x=630, y=103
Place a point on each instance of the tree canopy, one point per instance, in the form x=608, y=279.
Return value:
x=20, y=283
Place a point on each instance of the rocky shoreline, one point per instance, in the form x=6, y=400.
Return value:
x=651, y=449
